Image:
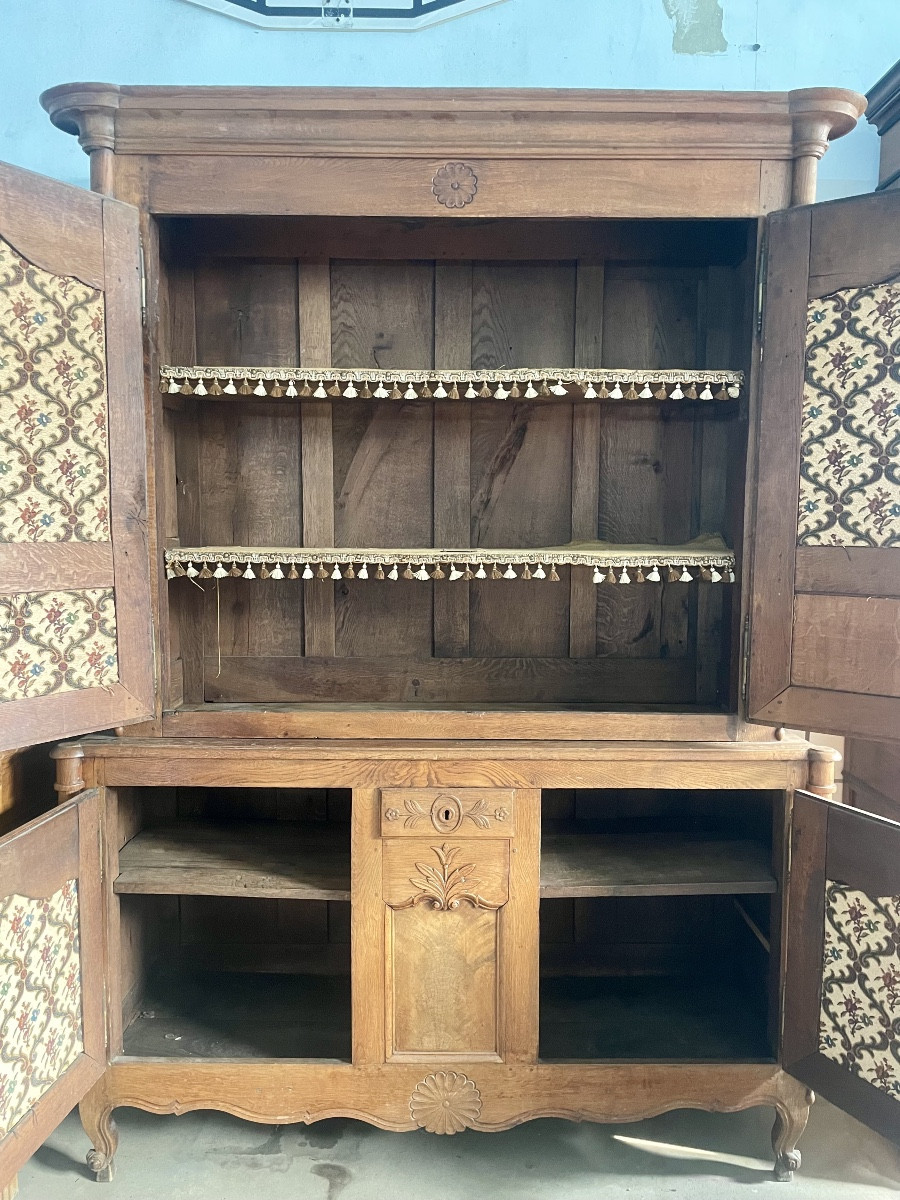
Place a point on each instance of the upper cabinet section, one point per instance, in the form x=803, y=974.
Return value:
x=453, y=152
x=75, y=652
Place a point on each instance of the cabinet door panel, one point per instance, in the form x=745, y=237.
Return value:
x=825, y=605
x=842, y=987
x=75, y=638
x=445, y=924
x=52, y=1040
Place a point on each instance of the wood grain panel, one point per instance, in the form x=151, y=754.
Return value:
x=586, y=420
x=452, y=450
x=382, y=315
x=458, y=680
x=647, y=458
x=331, y=187
x=250, y=459
x=521, y=453
x=847, y=643
x=36, y=567
x=848, y=570
x=443, y=982
x=317, y=450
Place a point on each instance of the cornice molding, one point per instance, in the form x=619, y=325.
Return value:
x=884, y=101
x=436, y=123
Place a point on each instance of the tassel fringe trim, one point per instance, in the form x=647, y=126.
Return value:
x=547, y=385
x=681, y=564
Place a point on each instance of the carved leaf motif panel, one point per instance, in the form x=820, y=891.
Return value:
x=41, y=1032
x=60, y=641
x=860, y=1005
x=54, y=470
x=850, y=445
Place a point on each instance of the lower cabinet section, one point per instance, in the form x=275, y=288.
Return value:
x=445, y=958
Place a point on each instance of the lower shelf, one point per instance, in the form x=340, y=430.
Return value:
x=650, y=1018
x=220, y=1014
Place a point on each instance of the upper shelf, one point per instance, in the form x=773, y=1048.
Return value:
x=534, y=383
x=707, y=556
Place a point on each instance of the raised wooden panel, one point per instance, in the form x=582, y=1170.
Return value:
x=443, y=981
x=837, y=638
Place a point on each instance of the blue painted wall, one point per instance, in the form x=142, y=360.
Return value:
x=769, y=44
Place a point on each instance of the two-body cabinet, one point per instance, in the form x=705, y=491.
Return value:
x=488, y=462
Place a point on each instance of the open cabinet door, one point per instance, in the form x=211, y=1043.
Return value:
x=825, y=604
x=842, y=985
x=52, y=1036
x=75, y=633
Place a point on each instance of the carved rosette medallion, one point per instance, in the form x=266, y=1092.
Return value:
x=455, y=185
x=446, y=1102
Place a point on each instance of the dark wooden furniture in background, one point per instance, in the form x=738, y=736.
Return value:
x=884, y=113
x=542, y=828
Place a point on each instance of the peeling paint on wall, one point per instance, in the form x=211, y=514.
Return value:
x=698, y=26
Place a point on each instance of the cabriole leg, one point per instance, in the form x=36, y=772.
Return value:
x=790, y=1121
x=11, y=1190
x=97, y=1121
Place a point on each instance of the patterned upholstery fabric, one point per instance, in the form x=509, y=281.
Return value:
x=54, y=475
x=850, y=455
x=57, y=642
x=860, y=1012
x=40, y=997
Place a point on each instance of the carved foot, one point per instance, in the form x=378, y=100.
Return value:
x=789, y=1125
x=100, y=1127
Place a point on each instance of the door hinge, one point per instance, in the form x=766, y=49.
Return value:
x=143, y=285
x=761, y=281
x=745, y=660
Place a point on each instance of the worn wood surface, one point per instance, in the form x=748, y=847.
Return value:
x=581, y=864
x=301, y=862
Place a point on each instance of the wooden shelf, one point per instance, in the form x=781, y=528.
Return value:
x=630, y=385
x=705, y=557
x=283, y=860
x=582, y=864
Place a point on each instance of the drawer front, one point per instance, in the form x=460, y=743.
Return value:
x=450, y=812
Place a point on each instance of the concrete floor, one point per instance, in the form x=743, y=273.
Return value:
x=212, y=1156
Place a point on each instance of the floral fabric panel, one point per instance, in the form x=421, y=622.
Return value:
x=860, y=1010
x=850, y=451
x=41, y=1031
x=54, y=473
x=57, y=642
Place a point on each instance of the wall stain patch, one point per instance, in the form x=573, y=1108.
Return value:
x=697, y=26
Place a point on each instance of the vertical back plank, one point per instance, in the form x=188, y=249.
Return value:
x=647, y=455
x=522, y=313
x=317, y=453
x=452, y=451
x=383, y=315
x=250, y=466
x=585, y=459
